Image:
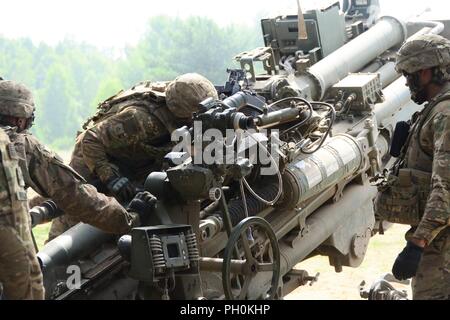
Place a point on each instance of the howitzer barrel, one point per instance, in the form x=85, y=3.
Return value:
x=353, y=56
x=76, y=242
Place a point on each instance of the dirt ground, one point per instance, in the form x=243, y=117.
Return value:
x=381, y=254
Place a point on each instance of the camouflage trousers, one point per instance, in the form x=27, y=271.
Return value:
x=432, y=281
x=20, y=273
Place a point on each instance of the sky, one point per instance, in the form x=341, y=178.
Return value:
x=117, y=23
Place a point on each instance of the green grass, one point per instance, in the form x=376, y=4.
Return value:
x=41, y=234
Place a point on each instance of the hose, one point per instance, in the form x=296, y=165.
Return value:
x=333, y=118
x=288, y=99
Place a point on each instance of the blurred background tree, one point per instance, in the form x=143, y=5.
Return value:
x=71, y=78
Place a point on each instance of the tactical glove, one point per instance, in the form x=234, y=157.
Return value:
x=143, y=204
x=407, y=262
x=121, y=188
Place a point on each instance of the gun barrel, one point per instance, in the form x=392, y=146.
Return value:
x=75, y=243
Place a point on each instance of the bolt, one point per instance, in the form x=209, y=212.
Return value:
x=368, y=124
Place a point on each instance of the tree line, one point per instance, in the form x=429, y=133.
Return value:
x=70, y=79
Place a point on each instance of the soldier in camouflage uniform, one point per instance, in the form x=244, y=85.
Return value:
x=20, y=273
x=419, y=193
x=46, y=173
x=131, y=133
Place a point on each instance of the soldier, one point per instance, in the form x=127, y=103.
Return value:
x=419, y=191
x=131, y=133
x=20, y=273
x=46, y=173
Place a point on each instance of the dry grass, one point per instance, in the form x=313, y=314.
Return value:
x=382, y=251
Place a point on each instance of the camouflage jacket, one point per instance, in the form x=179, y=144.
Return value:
x=46, y=174
x=20, y=271
x=131, y=143
x=429, y=151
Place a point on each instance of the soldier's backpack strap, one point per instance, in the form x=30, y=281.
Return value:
x=166, y=117
x=427, y=113
x=13, y=175
x=147, y=94
x=155, y=94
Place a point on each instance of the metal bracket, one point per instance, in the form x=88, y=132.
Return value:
x=298, y=233
x=340, y=191
x=262, y=54
x=303, y=277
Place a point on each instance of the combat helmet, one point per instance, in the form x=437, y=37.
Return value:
x=16, y=100
x=184, y=94
x=425, y=51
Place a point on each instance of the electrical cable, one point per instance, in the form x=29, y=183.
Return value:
x=325, y=136
x=288, y=99
x=280, y=179
x=294, y=127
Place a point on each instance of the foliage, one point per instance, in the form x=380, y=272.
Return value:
x=71, y=78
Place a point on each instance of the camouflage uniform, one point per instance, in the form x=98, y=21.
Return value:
x=432, y=280
x=20, y=273
x=425, y=172
x=46, y=173
x=131, y=133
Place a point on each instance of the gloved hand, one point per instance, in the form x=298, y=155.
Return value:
x=142, y=204
x=407, y=262
x=121, y=188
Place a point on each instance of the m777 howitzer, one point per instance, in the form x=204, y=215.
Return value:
x=321, y=118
